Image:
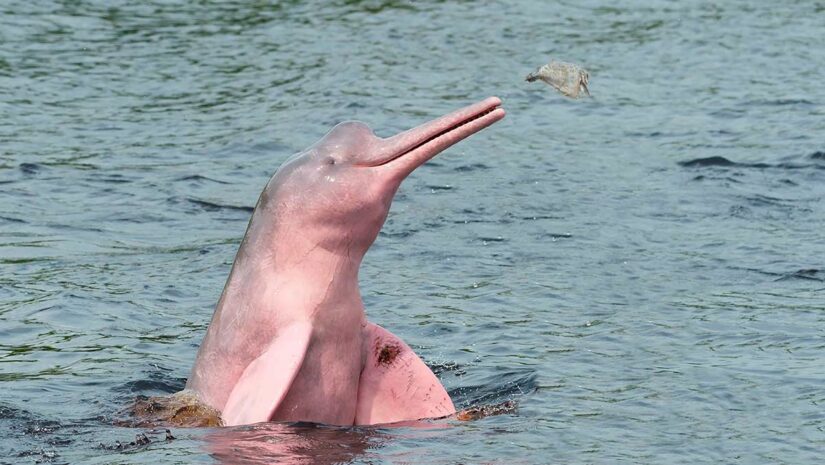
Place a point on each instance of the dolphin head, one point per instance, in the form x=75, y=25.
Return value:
x=295, y=276
x=337, y=193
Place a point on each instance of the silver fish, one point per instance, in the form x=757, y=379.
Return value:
x=567, y=78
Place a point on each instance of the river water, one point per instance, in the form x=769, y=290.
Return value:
x=641, y=271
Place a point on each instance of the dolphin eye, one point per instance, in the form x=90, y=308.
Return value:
x=329, y=161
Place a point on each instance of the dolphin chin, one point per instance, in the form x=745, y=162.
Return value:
x=289, y=339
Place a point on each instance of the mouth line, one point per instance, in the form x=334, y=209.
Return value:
x=446, y=131
x=458, y=125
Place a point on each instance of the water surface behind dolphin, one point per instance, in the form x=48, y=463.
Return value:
x=643, y=271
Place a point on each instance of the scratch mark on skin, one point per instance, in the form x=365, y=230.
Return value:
x=234, y=323
x=308, y=252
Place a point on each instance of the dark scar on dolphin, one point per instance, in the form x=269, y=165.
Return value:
x=386, y=353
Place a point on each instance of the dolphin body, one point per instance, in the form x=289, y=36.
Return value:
x=289, y=339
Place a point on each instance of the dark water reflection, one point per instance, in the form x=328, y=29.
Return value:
x=642, y=270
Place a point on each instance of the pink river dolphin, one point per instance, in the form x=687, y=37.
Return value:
x=289, y=339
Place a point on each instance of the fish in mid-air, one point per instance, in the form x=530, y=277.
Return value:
x=567, y=78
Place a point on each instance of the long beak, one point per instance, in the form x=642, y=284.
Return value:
x=405, y=152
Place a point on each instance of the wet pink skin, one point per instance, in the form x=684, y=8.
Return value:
x=294, y=286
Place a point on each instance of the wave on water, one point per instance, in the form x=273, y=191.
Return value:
x=495, y=388
x=212, y=206
x=717, y=161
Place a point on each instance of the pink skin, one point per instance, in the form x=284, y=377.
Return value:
x=289, y=339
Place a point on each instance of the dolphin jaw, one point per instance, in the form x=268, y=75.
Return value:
x=457, y=125
x=444, y=133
